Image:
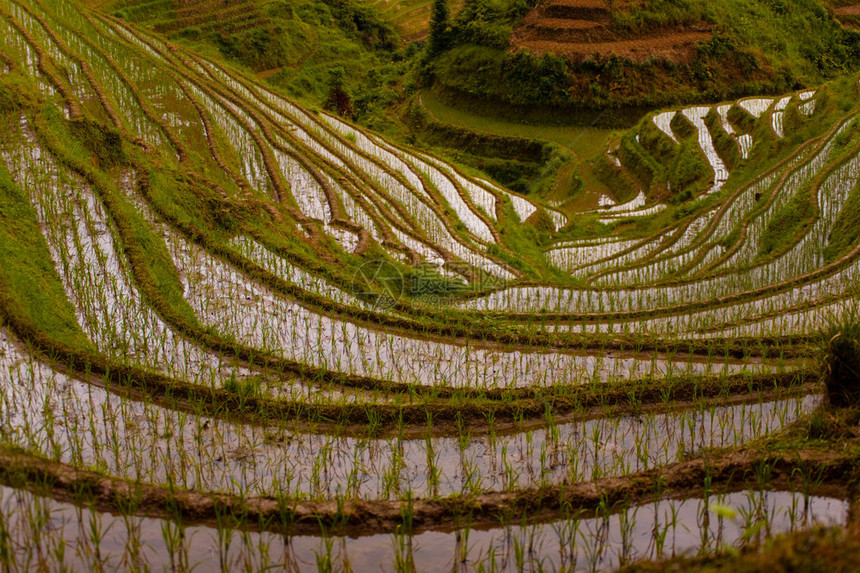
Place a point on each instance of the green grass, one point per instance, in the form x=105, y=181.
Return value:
x=27, y=273
x=846, y=229
x=294, y=43
x=561, y=175
x=801, y=211
x=583, y=141
x=840, y=348
x=787, y=222
x=17, y=92
x=411, y=18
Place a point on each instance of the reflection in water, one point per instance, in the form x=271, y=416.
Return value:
x=43, y=533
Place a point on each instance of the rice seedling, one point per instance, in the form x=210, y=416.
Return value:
x=197, y=368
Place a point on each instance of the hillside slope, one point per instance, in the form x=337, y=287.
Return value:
x=588, y=53
x=292, y=44
x=581, y=29
x=237, y=333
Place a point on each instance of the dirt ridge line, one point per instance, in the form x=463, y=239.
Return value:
x=732, y=469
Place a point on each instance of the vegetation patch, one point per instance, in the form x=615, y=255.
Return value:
x=654, y=53
x=226, y=309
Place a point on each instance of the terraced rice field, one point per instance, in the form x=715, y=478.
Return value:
x=847, y=13
x=229, y=17
x=411, y=18
x=239, y=333
x=582, y=29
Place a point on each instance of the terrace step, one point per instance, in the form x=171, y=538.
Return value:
x=594, y=10
x=211, y=19
x=677, y=47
